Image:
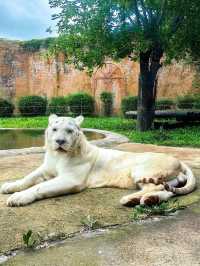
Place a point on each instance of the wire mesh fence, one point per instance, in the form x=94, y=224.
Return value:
x=85, y=109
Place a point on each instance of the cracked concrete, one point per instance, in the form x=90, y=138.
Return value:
x=169, y=242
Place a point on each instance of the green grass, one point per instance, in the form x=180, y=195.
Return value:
x=187, y=136
x=141, y=212
x=90, y=223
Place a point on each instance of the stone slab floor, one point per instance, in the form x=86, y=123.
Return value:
x=173, y=240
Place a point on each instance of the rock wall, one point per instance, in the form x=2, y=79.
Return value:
x=25, y=73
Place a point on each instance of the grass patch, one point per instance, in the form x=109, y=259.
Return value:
x=187, y=136
x=24, y=122
x=141, y=212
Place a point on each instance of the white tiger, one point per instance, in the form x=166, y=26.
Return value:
x=72, y=164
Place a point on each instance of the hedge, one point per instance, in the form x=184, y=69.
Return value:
x=129, y=104
x=6, y=108
x=58, y=105
x=81, y=103
x=32, y=105
x=164, y=104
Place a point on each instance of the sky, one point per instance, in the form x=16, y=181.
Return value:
x=25, y=19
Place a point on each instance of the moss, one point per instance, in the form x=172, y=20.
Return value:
x=35, y=45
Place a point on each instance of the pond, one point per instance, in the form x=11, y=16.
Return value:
x=25, y=138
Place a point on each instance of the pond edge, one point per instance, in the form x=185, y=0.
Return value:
x=111, y=139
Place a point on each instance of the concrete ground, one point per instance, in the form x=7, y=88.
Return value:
x=168, y=241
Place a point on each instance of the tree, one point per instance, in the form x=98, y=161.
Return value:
x=92, y=30
x=186, y=41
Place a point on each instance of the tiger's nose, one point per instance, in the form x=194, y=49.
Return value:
x=60, y=141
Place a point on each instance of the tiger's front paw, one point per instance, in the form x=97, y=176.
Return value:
x=20, y=199
x=11, y=187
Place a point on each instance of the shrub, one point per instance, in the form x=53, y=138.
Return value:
x=32, y=105
x=164, y=104
x=58, y=105
x=185, y=102
x=81, y=103
x=6, y=108
x=107, y=100
x=197, y=101
x=129, y=104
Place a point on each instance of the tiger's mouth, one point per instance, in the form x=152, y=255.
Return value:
x=60, y=149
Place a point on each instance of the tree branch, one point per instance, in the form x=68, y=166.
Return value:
x=150, y=14
x=144, y=11
x=131, y=20
x=176, y=23
x=137, y=14
x=162, y=11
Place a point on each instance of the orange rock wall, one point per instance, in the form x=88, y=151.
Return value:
x=23, y=73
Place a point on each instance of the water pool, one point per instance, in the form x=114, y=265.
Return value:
x=25, y=138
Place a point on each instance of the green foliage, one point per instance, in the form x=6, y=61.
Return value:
x=107, y=100
x=81, y=103
x=186, y=41
x=58, y=105
x=129, y=104
x=141, y=212
x=90, y=223
x=28, y=239
x=185, y=102
x=164, y=104
x=6, y=108
x=121, y=28
x=32, y=105
x=35, y=45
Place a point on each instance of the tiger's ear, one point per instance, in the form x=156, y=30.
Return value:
x=52, y=117
x=79, y=120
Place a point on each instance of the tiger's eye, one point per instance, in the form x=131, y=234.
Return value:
x=69, y=131
x=54, y=129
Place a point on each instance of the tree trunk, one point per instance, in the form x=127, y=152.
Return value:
x=149, y=66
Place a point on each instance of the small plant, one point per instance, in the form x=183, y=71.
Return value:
x=28, y=239
x=32, y=105
x=90, y=223
x=160, y=135
x=6, y=108
x=58, y=105
x=141, y=212
x=107, y=100
x=129, y=104
x=164, y=104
